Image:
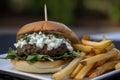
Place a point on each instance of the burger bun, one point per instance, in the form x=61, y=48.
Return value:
x=39, y=66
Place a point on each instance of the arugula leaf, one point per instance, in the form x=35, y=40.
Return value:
x=75, y=54
x=44, y=57
x=38, y=57
x=12, y=54
x=65, y=56
x=69, y=55
x=30, y=57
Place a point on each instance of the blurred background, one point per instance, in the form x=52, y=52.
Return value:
x=82, y=16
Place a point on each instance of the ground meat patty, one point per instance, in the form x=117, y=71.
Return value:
x=30, y=49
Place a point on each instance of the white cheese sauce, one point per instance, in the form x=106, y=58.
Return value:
x=40, y=39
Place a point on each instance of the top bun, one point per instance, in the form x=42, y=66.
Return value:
x=48, y=26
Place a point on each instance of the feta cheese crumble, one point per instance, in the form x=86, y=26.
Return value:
x=40, y=39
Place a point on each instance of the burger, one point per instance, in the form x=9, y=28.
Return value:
x=43, y=47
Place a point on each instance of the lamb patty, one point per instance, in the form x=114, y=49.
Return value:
x=31, y=49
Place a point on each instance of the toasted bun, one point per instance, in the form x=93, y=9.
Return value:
x=39, y=66
x=48, y=26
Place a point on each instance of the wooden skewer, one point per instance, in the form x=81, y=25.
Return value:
x=45, y=12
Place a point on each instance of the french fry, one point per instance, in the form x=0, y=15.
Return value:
x=102, y=50
x=86, y=37
x=89, y=55
x=97, y=45
x=91, y=71
x=78, y=68
x=101, y=62
x=95, y=62
x=99, y=51
x=83, y=48
x=104, y=68
x=110, y=47
x=68, y=69
x=96, y=40
x=103, y=37
x=117, y=57
x=99, y=57
x=117, y=66
x=83, y=72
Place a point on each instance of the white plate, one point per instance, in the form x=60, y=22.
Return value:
x=5, y=65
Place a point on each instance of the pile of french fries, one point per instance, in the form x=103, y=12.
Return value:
x=97, y=58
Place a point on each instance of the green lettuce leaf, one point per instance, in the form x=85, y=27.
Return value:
x=69, y=55
x=12, y=54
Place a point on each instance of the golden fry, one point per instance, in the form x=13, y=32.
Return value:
x=86, y=37
x=78, y=68
x=89, y=55
x=99, y=57
x=117, y=57
x=117, y=66
x=102, y=50
x=83, y=48
x=91, y=71
x=98, y=51
x=97, y=45
x=68, y=69
x=104, y=68
x=101, y=62
x=103, y=37
x=83, y=72
x=95, y=62
x=110, y=47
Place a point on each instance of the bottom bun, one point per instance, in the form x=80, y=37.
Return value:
x=39, y=66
